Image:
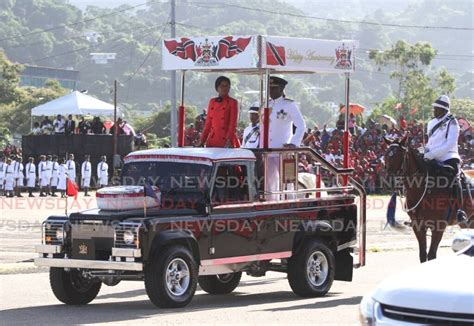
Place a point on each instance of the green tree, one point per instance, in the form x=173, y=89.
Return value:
x=406, y=58
x=9, y=78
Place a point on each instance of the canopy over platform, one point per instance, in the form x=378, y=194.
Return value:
x=75, y=103
x=258, y=53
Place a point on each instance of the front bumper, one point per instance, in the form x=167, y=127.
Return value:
x=47, y=261
x=88, y=264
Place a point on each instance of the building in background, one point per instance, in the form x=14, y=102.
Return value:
x=37, y=76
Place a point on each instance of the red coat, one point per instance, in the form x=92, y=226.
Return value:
x=221, y=123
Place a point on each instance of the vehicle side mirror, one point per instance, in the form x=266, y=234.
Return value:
x=463, y=240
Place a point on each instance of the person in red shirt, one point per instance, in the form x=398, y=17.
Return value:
x=403, y=122
x=221, y=122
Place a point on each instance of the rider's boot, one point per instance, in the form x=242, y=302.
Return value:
x=461, y=216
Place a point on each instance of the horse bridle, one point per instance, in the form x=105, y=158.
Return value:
x=405, y=149
x=403, y=168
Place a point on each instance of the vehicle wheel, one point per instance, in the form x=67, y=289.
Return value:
x=311, y=271
x=71, y=287
x=219, y=284
x=171, y=278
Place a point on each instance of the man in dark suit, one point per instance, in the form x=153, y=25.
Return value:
x=70, y=126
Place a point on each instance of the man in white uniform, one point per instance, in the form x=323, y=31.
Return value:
x=54, y=176
x=43, y=176
x=285, y=116
x=9, y=178
x=86, y=173
x=251, y=137
x=103, y=172
x=62, y=178
x=3, y=167
x=19, y=176
x=30, y=169
x=71, y=168
x=442, y=146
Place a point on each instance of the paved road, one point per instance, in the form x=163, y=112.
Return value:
x=27, y=299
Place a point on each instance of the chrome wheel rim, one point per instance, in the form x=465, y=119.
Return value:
x=177, y=277
x=317, y=268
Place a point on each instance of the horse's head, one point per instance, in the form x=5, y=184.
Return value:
x=395, y=155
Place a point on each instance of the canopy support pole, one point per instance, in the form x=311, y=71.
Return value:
x=182, y=113
x=266, y=111
x=115, y=121
x=346, y=130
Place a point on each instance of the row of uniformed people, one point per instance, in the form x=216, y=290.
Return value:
x=51, y=175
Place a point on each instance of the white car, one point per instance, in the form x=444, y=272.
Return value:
x=438, y=292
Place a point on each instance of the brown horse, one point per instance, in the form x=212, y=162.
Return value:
x=430, y=201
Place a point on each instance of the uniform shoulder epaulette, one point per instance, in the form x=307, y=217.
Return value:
x=289, y=99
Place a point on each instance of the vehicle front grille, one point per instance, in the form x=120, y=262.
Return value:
x=50, y=232
x=120, y=231
x=427, y=316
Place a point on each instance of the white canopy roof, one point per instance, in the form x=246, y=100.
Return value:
x=75, y=103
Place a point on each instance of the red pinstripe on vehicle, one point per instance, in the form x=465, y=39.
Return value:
x=243, y=259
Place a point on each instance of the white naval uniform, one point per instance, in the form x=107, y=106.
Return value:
x=16, y=168
x=62, y=176
x=48, y=171
x=3, y=167
x=30, y=175
x=283, y=115
x=9, y=177
x=86, y=173
x=71, y=169
x=19, y=174
x=42, y=174
x=103, y=173
x=54, y=174
x=251, y=137
x=443, y=143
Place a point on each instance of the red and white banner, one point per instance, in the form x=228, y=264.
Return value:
x=257, y=52
x=311, y=55
x=216, y=52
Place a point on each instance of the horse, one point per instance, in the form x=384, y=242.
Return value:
x=429, y=205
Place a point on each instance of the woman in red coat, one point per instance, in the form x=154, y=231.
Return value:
x=221, y=122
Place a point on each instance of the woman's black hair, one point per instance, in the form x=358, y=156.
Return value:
x=219, y=80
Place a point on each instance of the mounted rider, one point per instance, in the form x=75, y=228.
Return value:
x=442, y=146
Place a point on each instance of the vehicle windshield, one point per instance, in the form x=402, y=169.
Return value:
x=170, y=177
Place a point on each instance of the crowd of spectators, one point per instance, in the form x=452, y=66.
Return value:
x=62, y=126
x=367, y=146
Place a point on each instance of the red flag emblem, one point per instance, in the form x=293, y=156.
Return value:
x=186, y=49
x=228, y=47
x=275, y=55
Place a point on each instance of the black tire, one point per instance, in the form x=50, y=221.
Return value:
x=306, y=282
x=71, y=288
x=219, y=284
x=157, y=274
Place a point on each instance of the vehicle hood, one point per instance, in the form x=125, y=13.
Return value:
x=444, y=285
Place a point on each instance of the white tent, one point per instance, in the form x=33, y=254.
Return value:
x=75, y=103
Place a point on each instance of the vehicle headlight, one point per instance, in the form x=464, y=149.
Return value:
x=60, y=234
x=129, y=237
x=367, y=311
